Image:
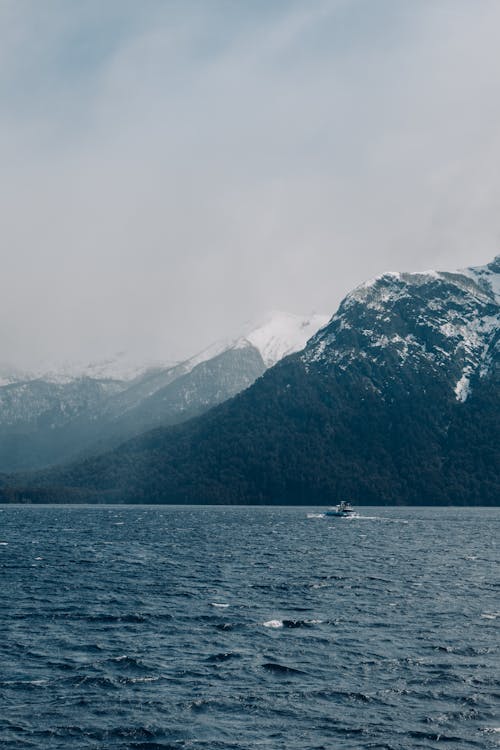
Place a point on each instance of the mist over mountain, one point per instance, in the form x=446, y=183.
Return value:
x=395, y=400
x=49, y=417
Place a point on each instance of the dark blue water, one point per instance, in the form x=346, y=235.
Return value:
x=160, y=627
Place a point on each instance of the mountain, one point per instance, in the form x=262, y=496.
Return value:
x=281, y=334
x=395, y=400
x=76, y=410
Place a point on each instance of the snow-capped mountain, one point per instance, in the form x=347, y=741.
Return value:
x=438, y=321
x=119, y=367
x=396, y=400
x=281, y=334
x=275, y=336
x=50, y=415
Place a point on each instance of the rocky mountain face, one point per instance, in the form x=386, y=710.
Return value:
x=50, y=418
x=401, y=327
x=395, y=400
x=189, y=394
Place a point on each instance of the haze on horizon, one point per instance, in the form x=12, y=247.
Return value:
x=174, y=169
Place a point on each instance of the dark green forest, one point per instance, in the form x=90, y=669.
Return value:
x=302, y=438
x=395, y=401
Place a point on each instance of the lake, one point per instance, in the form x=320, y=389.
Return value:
x=234, y=628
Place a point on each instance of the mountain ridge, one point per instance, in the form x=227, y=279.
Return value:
x=370, y=410
x=45, y=420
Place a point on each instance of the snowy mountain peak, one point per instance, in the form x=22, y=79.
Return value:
x=281, y=334
x=390, y=285
x=435, y=321
x=275, y=336
x=119, y=367
x=486, y=277
x=76, y=407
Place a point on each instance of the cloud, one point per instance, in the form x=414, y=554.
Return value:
x=173, y=169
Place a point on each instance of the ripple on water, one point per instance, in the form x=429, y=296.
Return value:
x=236, y=628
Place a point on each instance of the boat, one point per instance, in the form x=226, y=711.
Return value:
x=343, y=509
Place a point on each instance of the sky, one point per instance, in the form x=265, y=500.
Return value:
x=172, y=169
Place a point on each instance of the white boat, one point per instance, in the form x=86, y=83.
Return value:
x=343, y=509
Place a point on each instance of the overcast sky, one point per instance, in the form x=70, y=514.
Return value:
x=171, y=170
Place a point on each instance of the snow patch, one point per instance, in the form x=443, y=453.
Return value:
x=446, y=318
x=283, y=334
x=276, y=336
x=120, y=367
x=389, y=287
x=462, y=388
x=487, y=277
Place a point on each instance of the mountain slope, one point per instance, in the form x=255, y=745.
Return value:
x=396, y=400
x=51, y=419
x=281, y=334
x=193, y=392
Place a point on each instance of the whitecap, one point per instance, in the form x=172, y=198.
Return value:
x=220, y=606
x=273, y=624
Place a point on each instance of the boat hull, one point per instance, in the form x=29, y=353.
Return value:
x=342, y=510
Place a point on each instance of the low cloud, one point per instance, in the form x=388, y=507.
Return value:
x=171, y=170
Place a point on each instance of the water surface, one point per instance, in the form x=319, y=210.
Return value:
x=234, y=628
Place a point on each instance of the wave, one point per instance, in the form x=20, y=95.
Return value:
x=291, y=623
x=281, y=668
